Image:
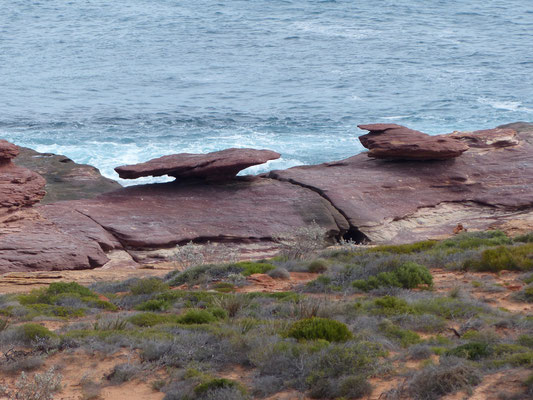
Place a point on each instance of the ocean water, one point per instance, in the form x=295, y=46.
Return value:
x=116, y=82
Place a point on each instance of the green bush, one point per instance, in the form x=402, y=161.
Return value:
x=56, y=291
x=196, y=317
x=224, y=287
x=148, y=286
x=30, y=332
x=408, y=276
x=317, y=266
x=390, y=305
x=471, y=351
x=55, y=311
x=320, y=328
x=153, y=305
x=218, y=383
x=404, y=337
x=526, y=238
x=515, y=258
x=404, y=248
x=354, y=387
x=525, y=340
x=249, y=268
x=474, y=240
x=151, y=319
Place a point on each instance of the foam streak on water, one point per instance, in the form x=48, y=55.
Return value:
x=110, y=83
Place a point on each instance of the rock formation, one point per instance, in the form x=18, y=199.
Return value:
x=391, y=141
x=19, y=187
x=65, y=179
x=489, y=185
x=382, y=201
x=219, y=165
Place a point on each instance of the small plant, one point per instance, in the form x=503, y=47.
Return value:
x=470, y=351
x=320, y=328
x=196, y=317
x=216, y=384
x=153, y=305
x=317, y=266
x=450, y=376
x=41, y=387
x=515, y=258
x=302, y=242
x=404, y=337
x=123, y=373
x=408, y=276
x=150, y=319
x=31, y=332
x=148, y=286
x=280, y=273
x=390, y=305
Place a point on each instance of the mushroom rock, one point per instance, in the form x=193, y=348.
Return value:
x=19, y=187
x=489, y=186
x=391, y=141
x=219, y=165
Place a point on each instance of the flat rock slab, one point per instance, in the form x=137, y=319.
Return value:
x=391, y=141
x=163, y=215
x=374, y=193
x=33, y=242
x=219, y=165
x=77, y=234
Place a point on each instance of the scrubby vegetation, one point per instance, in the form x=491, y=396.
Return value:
x=371, y=314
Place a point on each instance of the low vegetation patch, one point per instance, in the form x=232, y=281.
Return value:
x=319, y=328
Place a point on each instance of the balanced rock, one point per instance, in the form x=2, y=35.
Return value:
x=19, y=187
x=391, y=141
x=219, y=165
x=489, y=186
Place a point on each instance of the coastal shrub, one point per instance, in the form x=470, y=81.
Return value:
x=248, y=268
x=405, y=248
x=354, y=386
x=31, y=332
x=280, y=273
x=196, y=317
x=26, y=364
x=39, y=387
x=123, y=373
x=216, y=384
x=449, y=376
x=56, y=291
x=224, y=287
x=319, y=328
x=390, y=305
x=525, y=238
x=408, y=276
x=449, y=307
x=474, y=240
x=148, y=319
x=148, y=286
x=404, y=337
x=515, y=258
x=470, y=351
x=153, y=305
x=302, y=242
x=317, y=266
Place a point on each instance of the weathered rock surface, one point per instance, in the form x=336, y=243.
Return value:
x=32, y=242
x=219, y=165
x=19, y=187
x=391, y=141
x=410, y=200
x=75, y=234
x=65, y=179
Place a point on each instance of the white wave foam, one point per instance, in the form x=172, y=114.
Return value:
x=504, y=105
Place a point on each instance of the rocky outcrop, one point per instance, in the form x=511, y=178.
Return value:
x=76, y=234
x=391, y=141
x=19, y=187
x=361, y=198
x=65, y=179
x=219, y=165
x=386, y=201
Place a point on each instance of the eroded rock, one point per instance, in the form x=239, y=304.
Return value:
x=219, y=165
x=391, y=141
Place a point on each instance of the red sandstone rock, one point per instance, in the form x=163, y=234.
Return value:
x=391, y=141
x=413, y=200
x=218, y=165
x=19, y=187
x=7, y=151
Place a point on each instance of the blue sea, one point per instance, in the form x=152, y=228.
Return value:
x=118, y=82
